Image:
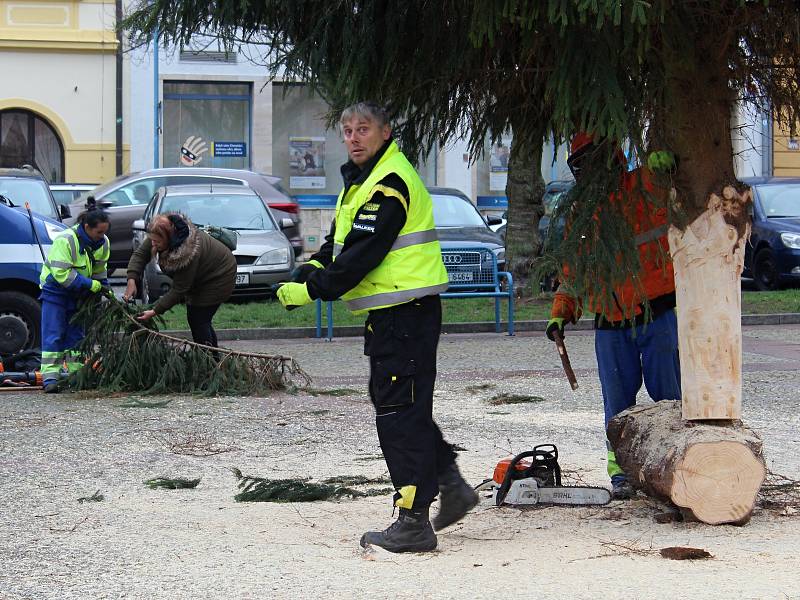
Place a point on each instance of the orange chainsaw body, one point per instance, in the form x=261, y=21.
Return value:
x=502, y=468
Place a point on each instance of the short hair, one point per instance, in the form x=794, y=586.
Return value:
x=369, y=109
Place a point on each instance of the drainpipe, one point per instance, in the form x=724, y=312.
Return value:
x=118, y=6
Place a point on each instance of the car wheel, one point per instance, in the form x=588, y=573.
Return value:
x=765, y=273
x=20, y=323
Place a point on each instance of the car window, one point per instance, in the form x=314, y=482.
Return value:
x=454, y=211
x=33, y=191
x=234, y=211
x=780, y=200
x=64, y=196
x=201, y=179
x=551, y=199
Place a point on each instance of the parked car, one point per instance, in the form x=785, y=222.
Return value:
x=499, y=222
x=128, y=195
x=19, y=186
x=67, y=193
x=263, y=253
x=553, y=192
x=21, y=256
x=460, y=227
x=772, y=258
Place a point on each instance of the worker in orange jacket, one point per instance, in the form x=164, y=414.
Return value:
x=630, y=350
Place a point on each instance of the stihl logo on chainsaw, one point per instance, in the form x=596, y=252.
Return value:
x=534, y=477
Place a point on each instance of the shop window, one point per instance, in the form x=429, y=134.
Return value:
x=27, y=139
x=207, y=124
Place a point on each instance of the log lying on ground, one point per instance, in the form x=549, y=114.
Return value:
x=712, y=470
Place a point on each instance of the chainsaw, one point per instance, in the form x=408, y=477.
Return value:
x=534, y=477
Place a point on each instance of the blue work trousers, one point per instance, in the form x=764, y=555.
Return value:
x=60, y=339
x=625, y=359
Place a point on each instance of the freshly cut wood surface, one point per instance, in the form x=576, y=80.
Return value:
x=712, y=470
x=708, y=258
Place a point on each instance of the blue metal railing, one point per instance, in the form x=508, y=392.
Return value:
x=473, y=273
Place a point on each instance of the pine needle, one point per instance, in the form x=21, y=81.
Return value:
x=505, y=398
x=96, y=497
x=177, y=483
x=127, y=355
x=261, y=489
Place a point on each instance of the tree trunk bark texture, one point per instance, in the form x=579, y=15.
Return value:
x=708, y=258
x=524, y=189
x=712, y=472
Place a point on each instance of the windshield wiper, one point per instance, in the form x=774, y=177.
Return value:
x=6, y=200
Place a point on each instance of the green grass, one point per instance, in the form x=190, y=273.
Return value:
x=269, y=313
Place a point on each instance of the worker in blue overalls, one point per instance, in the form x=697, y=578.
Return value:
x=76, y=266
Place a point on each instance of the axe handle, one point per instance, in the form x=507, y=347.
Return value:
x=562, y=354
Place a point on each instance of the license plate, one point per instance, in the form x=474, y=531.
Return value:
x=459, y=277
x=243, y=279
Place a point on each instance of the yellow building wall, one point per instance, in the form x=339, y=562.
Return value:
x=67, y=43
x=785, y=152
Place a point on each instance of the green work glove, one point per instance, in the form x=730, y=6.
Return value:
x=292, y=295
x=552, y=325
x=96, y=286
x=661, y=161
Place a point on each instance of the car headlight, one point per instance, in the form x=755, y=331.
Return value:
x=274, y=257
x=500, y=254
x=52, y=230
x=791, y=240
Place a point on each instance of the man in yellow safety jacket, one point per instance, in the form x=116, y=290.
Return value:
x=383, y=258
x=76, y=266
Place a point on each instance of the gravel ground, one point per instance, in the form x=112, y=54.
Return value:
x=144, y=543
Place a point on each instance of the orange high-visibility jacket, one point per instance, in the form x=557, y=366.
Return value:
x=656, y=277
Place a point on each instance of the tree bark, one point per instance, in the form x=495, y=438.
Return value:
x=524, y=189
x=712, y=472
x=708, y=258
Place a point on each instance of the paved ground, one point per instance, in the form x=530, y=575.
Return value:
x=142, y=543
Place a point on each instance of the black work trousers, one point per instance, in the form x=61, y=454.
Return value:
x=401, y=343
x=199, y=318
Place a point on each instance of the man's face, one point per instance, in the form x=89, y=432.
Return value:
x=363, y=138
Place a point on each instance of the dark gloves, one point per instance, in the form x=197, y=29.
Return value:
x=301, y=273
x=556, y=323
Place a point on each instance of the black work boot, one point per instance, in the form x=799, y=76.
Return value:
x=411, y=532
x=621, y=489
x=51, y=387
x=456, y=498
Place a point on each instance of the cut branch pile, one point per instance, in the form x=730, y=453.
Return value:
x=126, y=355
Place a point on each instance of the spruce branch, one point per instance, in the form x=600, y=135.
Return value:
x=123, y=354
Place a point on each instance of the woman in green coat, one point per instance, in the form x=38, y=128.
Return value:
x=203, y=272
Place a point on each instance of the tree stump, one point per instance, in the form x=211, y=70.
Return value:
x=708, y=258
x=714, y=471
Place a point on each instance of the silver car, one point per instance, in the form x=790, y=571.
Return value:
x=263, y=253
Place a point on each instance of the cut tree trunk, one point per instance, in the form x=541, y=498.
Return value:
x=711, y=471
x=708, y=258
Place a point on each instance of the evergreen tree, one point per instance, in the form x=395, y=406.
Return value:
x=661, y=74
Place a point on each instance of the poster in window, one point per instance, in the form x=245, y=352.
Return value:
x=498, y=164
x=307, y=162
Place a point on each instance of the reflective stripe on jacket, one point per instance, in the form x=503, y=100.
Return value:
x=69, y=265
x=656, y=277
x=413, y=268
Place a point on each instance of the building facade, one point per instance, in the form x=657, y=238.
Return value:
x=58, y=108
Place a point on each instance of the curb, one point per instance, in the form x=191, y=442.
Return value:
x=277, y=333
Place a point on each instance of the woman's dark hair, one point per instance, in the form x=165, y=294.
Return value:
x=93, y=215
